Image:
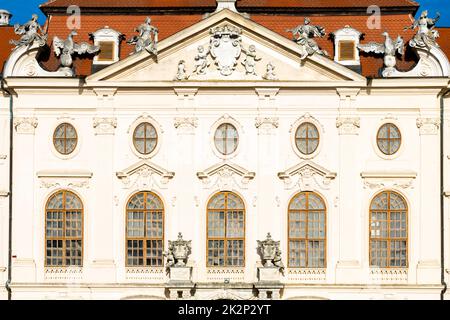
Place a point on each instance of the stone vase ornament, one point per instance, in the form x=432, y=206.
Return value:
x=270, y=253
x=178, y=252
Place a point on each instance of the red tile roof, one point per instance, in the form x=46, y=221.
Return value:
x=444, y=40
x=171, y=24
x=6, y=33
x=240, y=3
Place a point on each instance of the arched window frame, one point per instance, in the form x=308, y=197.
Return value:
x=145, y=238
x=307, y=239
x=64, y=238
x=225, y=238
x=389, y=238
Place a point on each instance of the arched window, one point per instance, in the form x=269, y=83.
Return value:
x=388, y=231
x=64, y=230
x=145, y=230
x=307, y=231
x=226, y=231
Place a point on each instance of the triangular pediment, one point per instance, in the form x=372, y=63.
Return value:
x=270, y=48
x=307, y=175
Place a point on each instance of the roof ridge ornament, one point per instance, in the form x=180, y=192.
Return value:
x=389, y=49
x=147, y=38
x=226, y=4
x=30, y=32
x=65, y=49
x=426, y=34
x=303, y=35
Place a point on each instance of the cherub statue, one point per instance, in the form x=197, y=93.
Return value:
x=304, y=34
x=147, y=38
x=270, y=72
x=29, y=32
x=201, y=60
x=67, y=48
x=389, y=49
x=426, y=34
x=250, y=60
x=181, y=73
x=278, y=261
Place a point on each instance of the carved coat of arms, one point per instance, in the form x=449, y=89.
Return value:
x=226, y=48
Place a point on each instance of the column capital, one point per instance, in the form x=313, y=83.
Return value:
x=185, y=125
x=104, y=126
x=348, y=125
x=428, y=126
x=25, y=125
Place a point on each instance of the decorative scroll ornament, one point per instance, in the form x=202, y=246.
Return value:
x=65, y=49
x=389, y=49
x=270, y=72
x=226, y=48
x=30, y=33
x=181, y=71
x=304, y=34
x=270, y=253
x=426, y=34
x=147, y=38
x=178, y=252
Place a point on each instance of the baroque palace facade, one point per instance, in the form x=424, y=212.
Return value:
x=225, y=150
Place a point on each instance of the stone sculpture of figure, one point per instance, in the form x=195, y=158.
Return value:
x=389, y=49
x=426, y=34
x=278, y=261
x=304, y=34
x=250, y=60
x=29, y=32
x=181, y=73
x=270, y=72
x=147, y=38
x=170, y=260
x=67, y=48
x=201, y=60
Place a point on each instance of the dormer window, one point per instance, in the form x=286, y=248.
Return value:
x=347, y=49
x=108, y=40
x=346, y=41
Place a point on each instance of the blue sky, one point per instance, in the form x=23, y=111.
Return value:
x=22, y=9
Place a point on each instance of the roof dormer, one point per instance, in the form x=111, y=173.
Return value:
x=346, y=52
x=109, y=42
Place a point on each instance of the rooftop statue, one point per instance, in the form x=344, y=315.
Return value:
x=426, y=34
x=389, y=49
x=304, y=34
x=29, y=32
x=67, y=48
x=147, y=38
